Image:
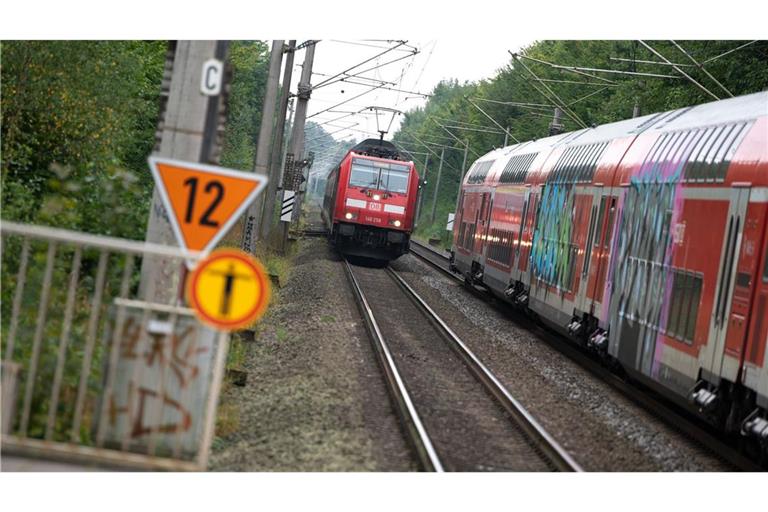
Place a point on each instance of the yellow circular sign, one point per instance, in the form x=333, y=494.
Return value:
x=228, y=290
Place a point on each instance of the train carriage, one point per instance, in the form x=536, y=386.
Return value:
x=370, y=201
x=643, y=239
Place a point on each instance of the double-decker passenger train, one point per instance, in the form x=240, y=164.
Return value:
x=370, y=201
x=644, y=240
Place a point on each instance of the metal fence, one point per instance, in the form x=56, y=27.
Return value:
x=91, y=372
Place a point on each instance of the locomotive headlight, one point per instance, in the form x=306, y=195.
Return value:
x=397, y=223
x=348, y=215
x=376, y=197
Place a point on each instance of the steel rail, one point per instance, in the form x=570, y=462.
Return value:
x=547, y=444
x=417, y=434
x=656, y=405
x=427, y=249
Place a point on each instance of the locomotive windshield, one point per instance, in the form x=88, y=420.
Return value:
x=379, y=175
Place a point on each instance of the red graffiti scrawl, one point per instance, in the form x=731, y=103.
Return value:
x=145, y=397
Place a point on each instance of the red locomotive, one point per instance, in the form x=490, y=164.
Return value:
x=370, y=200
x=644, y=240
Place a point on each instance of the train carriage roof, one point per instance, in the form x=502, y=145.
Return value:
x=742, y=108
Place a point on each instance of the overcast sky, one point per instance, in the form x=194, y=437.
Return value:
x=438, y=59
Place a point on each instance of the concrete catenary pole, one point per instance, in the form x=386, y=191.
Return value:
x=188, y=132
x=275, y=166
x=461, y=178
x=263, y=147
x=422, y=189
x=297, y=134
x=437, y=185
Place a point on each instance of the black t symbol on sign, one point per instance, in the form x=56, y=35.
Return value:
x=229, y=284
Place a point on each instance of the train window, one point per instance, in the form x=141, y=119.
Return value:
x=393, y=180
x=517, y=168
x=609, y=224
x=600, y=217
x=587, y=252
x=712, y=150
x=479, y=171
x=363, y=175
x=577, y=164
x=684, y=305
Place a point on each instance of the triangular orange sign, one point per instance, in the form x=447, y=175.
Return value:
x=203, y=201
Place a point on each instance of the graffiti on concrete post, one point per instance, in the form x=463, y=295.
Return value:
x=162, y=379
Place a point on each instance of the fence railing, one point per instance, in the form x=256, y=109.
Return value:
x=91, y=371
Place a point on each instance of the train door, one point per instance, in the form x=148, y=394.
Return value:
x=458, y=218
x=595, y=207
x=518, y=238
x=485, y=222
x=715, y=350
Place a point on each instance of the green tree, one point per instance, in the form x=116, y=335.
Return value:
x=78, y=120
x=598, y=99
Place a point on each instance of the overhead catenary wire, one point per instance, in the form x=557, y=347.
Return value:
x=346, y=101
x=640, y=61
x=729, y=52
x=571, y=69
x=357, y=74
x=691, y=79
x=431, y=151
x=347, y=81
x=435, y=145
x=465, y=123
x=551, y=96
x=330, y=79
x=479, y=130
x=703, y=70
x=574, y=82
x=330, y=133
x=492, y=119
x=600, y=70
x=587, y=96
x=518, y=103
x=357, y=43
x=463, y=143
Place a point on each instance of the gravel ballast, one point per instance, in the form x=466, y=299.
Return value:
x=601, y=428
x=315, y=399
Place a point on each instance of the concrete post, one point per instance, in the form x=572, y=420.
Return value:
x=263, y=148
x=437, y=185
x=421, y=193
x=187, y=132
x=275, y=166
x=297, y=133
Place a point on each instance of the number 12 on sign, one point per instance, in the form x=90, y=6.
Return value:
x=203, y=201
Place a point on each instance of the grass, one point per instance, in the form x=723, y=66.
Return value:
x=227, y=419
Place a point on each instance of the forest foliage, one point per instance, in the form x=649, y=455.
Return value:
x=592, y=99
x=79, y=121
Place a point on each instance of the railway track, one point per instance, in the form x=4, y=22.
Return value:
x=649, y=400
x=456, y=414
